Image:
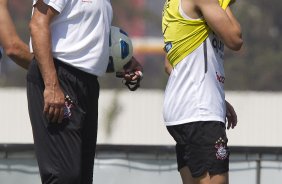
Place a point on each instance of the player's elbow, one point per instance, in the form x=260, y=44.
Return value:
x=235, y=43
x=12, y=49
x=18, y=52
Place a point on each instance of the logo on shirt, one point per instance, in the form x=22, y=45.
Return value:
x=220, y=78
x=218, y=45
x=167, y=47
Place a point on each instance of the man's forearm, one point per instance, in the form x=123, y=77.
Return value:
x=41, y=42
x=233, y=20
x=13, y=46
x=19, y=53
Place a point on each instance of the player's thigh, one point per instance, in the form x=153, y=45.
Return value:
x=204, y=179
x=220, y=178
x=187, y=177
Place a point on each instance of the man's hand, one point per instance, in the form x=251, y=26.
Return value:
x=231, y=116
x=54, y=102
x=132, y=74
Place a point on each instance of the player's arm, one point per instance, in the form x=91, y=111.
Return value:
x=13, y=46
x=231, y=116
x=222, y=22
x=41, y=42
x=168, y=67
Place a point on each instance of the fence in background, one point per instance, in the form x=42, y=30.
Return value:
x=131, y=164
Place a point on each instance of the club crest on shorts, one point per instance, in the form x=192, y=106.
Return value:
x=68, y=106
x=221, y=147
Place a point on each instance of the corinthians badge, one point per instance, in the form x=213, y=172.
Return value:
x=221, y=147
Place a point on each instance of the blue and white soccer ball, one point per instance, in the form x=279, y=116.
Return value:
x=121, y=49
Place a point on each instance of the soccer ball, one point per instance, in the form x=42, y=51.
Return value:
x=121, y=49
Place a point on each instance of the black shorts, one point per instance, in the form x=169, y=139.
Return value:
x=202, y=146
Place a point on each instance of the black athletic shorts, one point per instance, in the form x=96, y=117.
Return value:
x=202, y=146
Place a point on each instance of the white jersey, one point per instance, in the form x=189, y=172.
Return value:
x=80, y=33
x=195, y=89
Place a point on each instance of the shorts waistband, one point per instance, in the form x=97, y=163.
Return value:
x=60, y=64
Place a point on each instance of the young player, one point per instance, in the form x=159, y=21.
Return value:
x=195, y=110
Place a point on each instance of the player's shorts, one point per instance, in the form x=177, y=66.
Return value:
x=202, y=146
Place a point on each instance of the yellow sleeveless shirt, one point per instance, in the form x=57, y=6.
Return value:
x=183, y=36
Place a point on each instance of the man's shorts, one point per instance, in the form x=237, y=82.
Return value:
x=202, y=146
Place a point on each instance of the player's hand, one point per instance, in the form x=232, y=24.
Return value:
x=132, y=74
x=54, y=102
x=231, y=116
x=133, y=70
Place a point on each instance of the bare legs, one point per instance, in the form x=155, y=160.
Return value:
x=204, y=179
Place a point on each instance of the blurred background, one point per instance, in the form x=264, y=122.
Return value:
x=133, y=143
x=255, y=67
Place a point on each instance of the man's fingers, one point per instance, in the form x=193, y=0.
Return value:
x=132, y=76
x=46, y=109
x=50, y=112
x=231, y=116
x=235, y=123
x=232, y=122
x=138, y=74
x=228, y=124
x=233, y=119
x=56, y=114
x=61, y=115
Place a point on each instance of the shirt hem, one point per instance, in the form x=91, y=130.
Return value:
x=53, y=5
x=190, y=120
